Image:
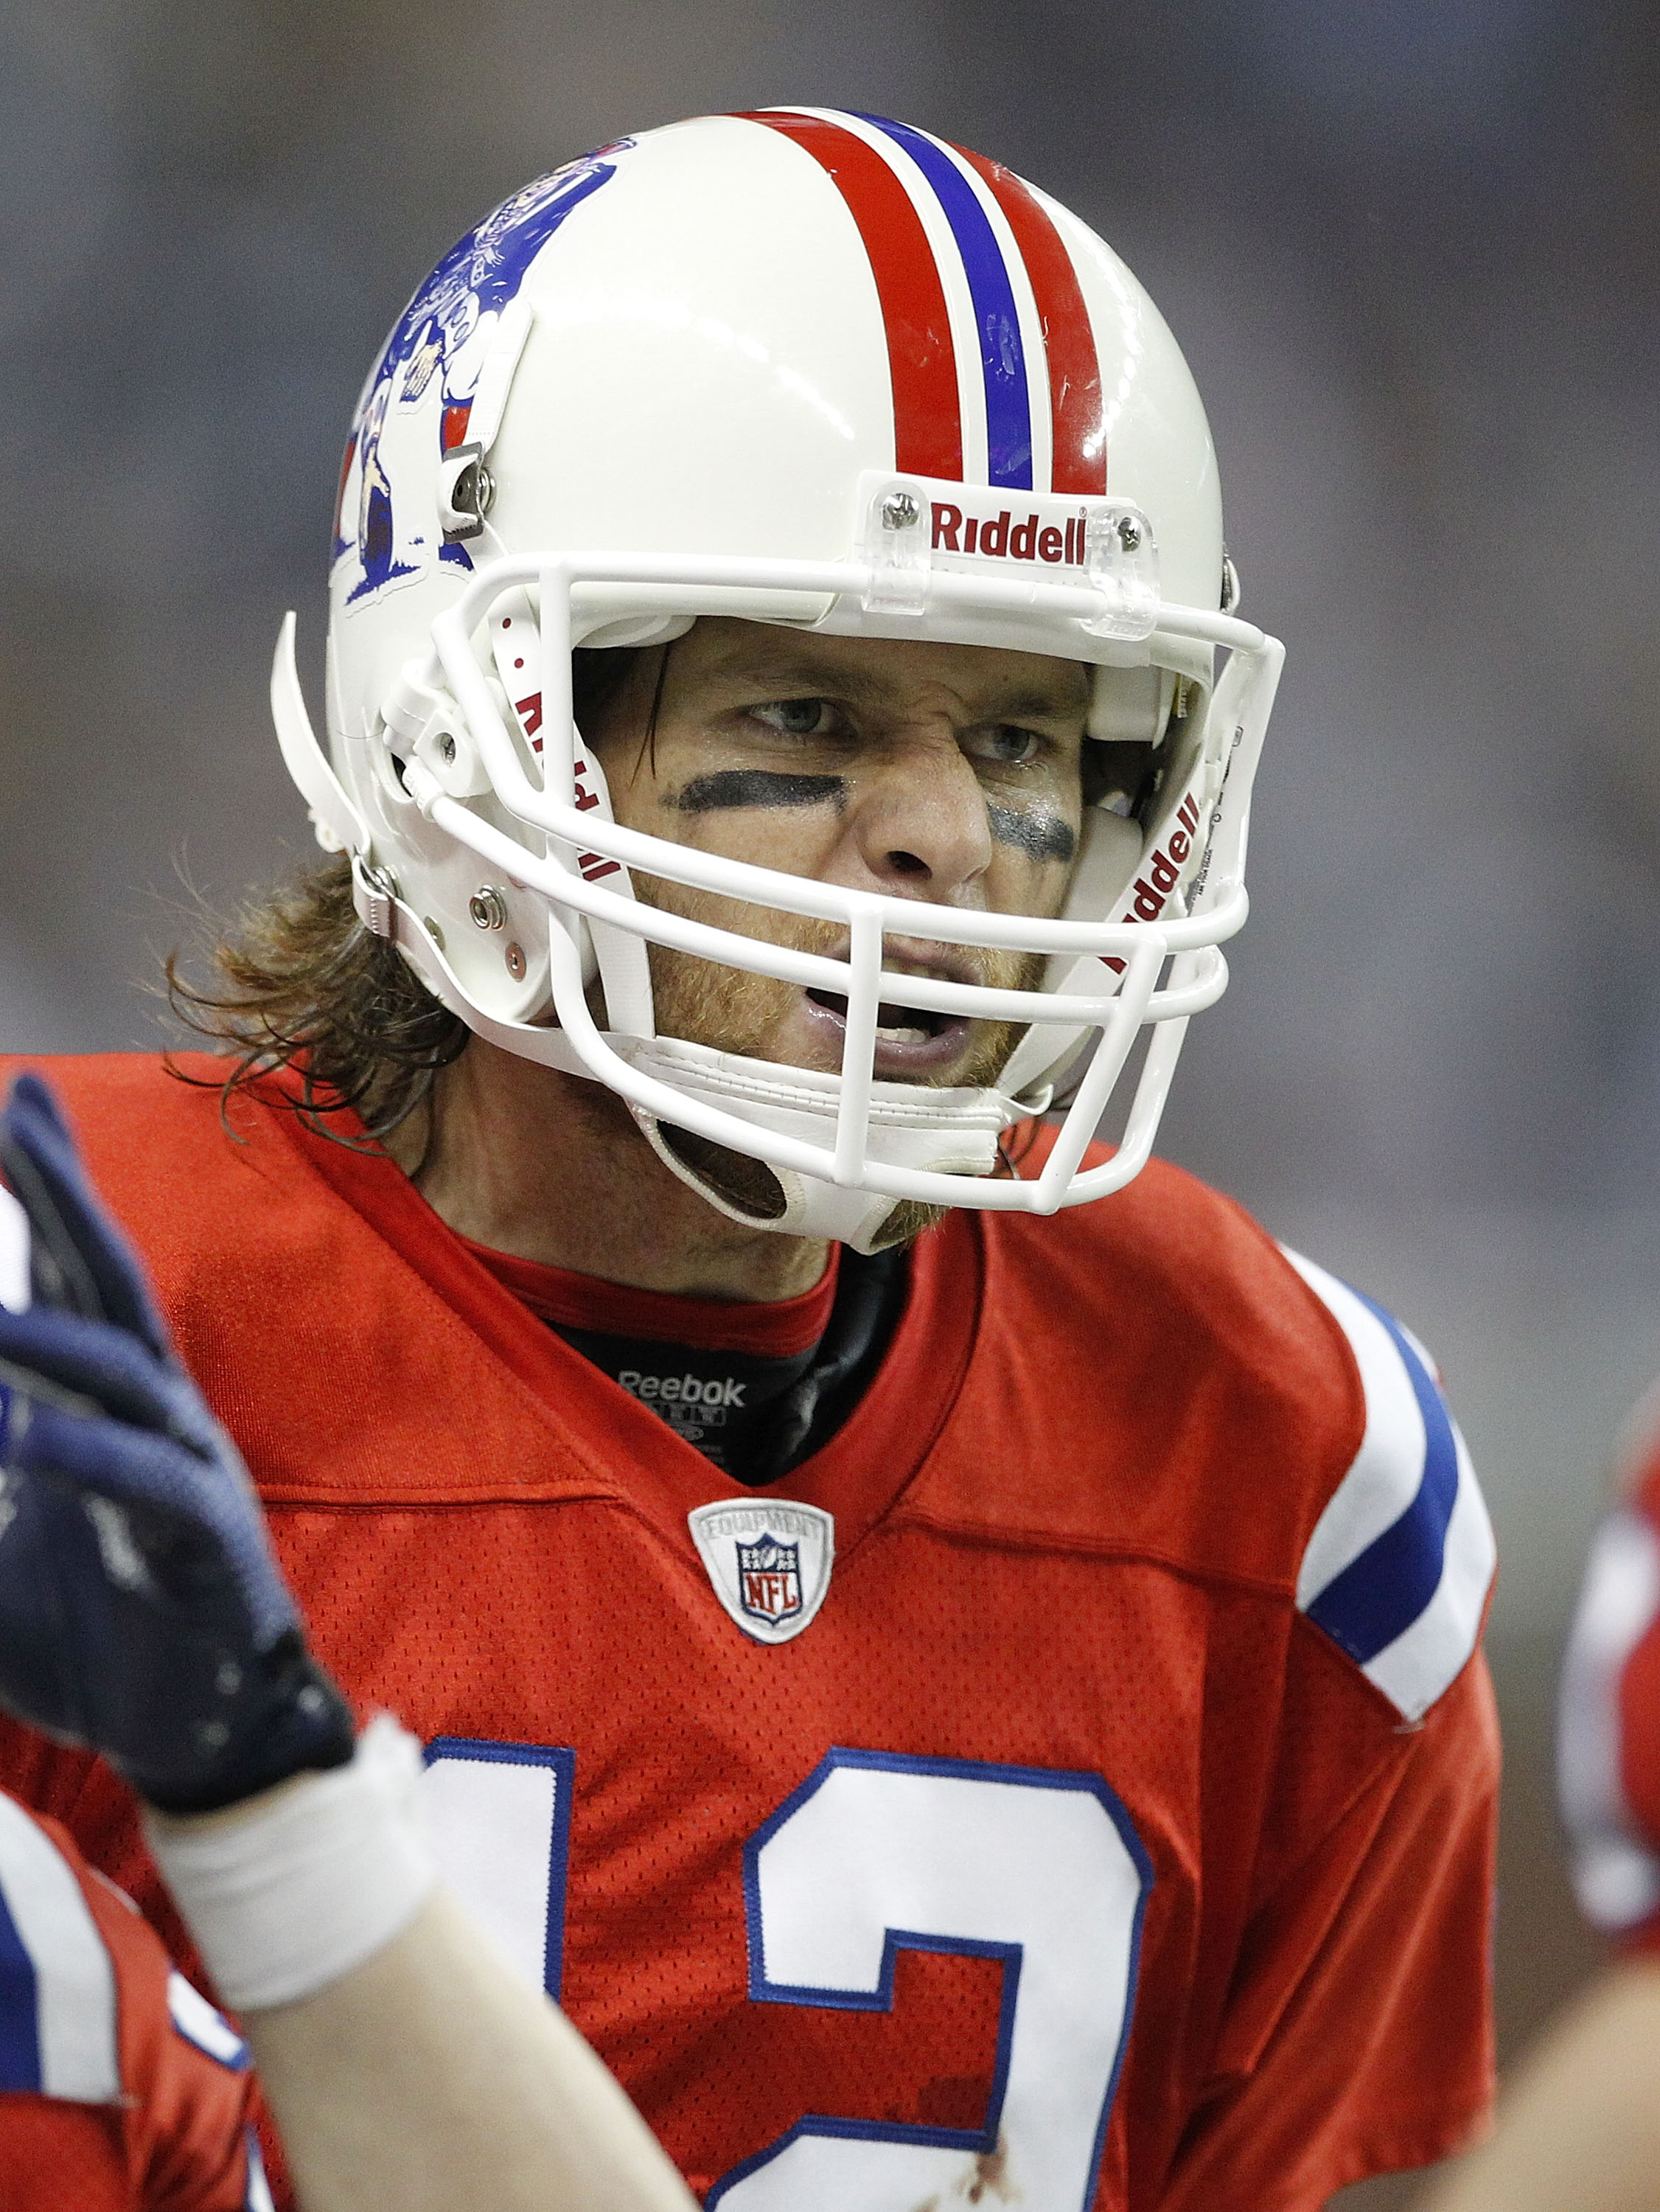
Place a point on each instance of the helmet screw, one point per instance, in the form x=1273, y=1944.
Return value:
x=446, y=745
x=899, y=510
x=514, y=956
x=486, y=908
x=1129, y=532
x=433, y=931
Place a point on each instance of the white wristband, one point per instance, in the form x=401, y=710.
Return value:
x=287, y=1893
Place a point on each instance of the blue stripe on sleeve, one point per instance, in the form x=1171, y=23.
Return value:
x=1380, y=1594
x=19, y=2013
x=1002, y=352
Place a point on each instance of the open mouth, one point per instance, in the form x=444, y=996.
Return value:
x=911, y=1041
x=894, y=1024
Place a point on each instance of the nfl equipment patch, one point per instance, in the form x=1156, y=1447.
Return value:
x=769, y=1563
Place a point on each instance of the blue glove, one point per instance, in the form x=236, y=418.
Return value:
x=141, y=1609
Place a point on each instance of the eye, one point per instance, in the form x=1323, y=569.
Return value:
x=796, y=718
x=1005, y=745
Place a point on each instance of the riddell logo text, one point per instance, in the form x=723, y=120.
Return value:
x=1152, y=888
x=592, y=865
x=529, y=710
x=1005, y=537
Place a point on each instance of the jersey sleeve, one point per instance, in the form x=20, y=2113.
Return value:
x=121, y=2089
x=1607, y=1759
x=1400, y=1563
x=1357, y=2035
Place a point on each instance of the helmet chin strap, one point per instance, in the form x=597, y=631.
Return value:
x=950, y=1132
x=854, y=1217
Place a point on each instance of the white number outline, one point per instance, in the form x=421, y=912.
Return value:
x=763, y=1991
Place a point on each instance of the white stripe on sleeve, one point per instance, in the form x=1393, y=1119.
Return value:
x=1414, y=1670
x=14, y=1253
x=75, y=1979
x=1389, y=1467
x=1616, y=1868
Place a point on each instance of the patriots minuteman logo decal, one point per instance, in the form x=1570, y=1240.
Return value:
x=770, y=1564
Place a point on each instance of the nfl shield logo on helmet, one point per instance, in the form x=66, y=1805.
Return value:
x=769, y=1564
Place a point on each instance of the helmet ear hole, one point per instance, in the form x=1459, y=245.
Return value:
x=1119, y=778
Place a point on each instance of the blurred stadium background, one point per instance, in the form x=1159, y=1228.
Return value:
x=1408, y=250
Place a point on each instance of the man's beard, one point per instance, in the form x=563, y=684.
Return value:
x=732, y=1010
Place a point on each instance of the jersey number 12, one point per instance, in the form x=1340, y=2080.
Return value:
x=874, y=1854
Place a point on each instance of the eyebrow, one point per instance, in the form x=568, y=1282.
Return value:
x=801, y=672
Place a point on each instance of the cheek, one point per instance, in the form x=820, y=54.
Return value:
x=1017, y=883
x=634, y=787
x=797, y=840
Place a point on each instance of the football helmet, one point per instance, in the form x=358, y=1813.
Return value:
x=819, y=369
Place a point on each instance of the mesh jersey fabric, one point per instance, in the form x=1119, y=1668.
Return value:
x=171, y=2133
x=1609, y=1722
x=1069, y=1514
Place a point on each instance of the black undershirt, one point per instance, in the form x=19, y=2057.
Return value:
x=755, y=1416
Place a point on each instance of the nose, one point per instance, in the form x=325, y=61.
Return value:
x=919, y=824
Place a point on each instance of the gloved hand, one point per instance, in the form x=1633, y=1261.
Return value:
x=141, y=1609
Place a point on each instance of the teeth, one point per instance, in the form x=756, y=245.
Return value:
x=902, y=1036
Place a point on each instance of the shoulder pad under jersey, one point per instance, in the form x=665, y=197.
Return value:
x=1398, y=1567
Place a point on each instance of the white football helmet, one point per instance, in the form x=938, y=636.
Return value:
x=819, y=369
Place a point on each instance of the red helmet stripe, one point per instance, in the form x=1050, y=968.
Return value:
x=1075, y=370
x=922, y=360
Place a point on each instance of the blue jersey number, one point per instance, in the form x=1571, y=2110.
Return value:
x=877, y=1853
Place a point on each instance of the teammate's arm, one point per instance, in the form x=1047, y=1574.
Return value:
x=1579, y=2129
x=432, y=2077
x=142, y=1612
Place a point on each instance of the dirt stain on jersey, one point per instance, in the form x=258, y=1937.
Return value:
x=991, y=2177
x=990, y=2182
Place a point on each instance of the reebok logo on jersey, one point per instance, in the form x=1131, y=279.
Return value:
x=718, y=1393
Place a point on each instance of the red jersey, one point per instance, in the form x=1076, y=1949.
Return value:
x=121, y=2089
x=1073, y=1784
x=1609, y=1731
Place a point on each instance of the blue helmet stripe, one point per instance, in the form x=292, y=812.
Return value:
x=1002, y=350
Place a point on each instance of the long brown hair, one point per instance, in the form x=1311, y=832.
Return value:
x=296, y=982
x=299, y=982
